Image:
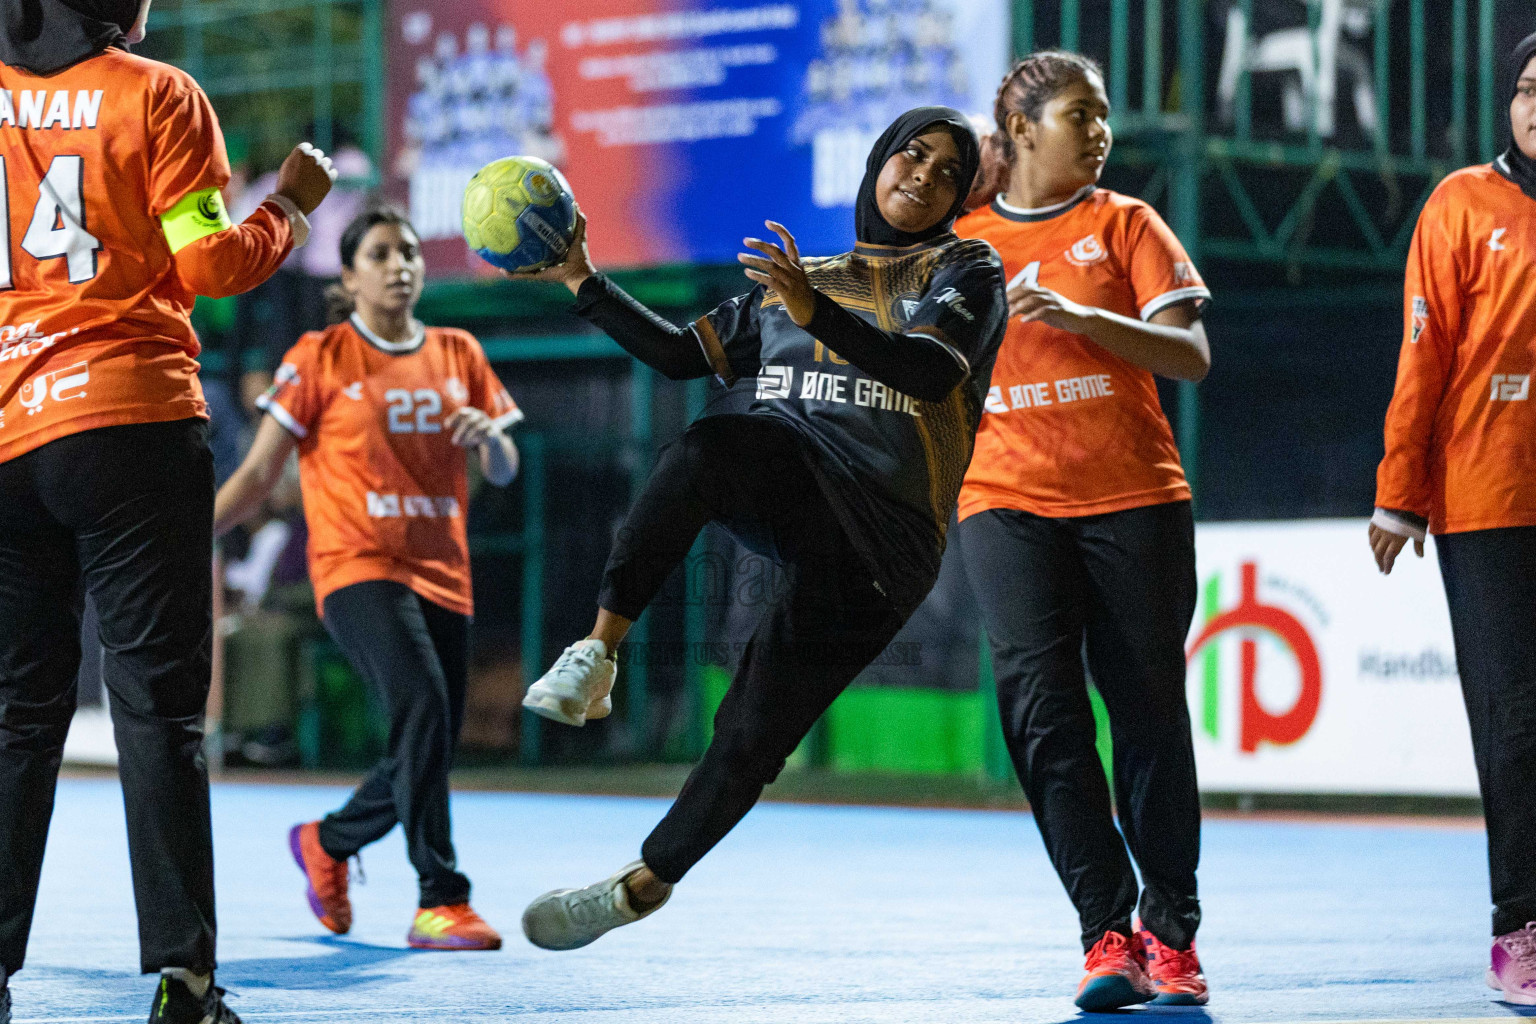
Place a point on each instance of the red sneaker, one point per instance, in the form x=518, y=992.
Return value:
x=451, y=927
x=1116, y=975
x=327, y=877
x=1175, y=973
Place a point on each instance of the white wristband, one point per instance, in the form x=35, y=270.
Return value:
x=296, y=218
x=1390, y=521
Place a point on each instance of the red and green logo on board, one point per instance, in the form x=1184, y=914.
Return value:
x=1250, y=619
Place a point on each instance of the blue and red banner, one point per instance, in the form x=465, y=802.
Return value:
x=680, y=125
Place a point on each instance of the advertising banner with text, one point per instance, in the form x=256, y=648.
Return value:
x=1309, y=671
x=680, y=124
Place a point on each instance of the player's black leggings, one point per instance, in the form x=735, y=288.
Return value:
x=1118, y=589
x=127, y=512
x=1490, y=584
x=747, y=472
x=414, y=654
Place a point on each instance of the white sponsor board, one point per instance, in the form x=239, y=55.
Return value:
x=1310, y=672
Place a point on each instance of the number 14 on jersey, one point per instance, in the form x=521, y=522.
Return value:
x=57, y=228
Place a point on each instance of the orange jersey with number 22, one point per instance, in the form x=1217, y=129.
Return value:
x=385, y=488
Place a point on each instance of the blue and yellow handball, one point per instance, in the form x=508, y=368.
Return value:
x=519, y=214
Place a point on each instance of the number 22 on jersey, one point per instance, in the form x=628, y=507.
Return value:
x=424, y=403
x=57, y=228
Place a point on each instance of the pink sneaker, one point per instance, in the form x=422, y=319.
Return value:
x=1512, y=969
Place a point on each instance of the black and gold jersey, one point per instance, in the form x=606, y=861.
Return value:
x=890, y=464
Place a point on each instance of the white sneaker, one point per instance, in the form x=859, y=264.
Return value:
x=571, y=918
x=577, y=685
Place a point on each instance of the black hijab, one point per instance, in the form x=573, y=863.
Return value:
x=1515, y=165
x=44, y=36
x=869, y=225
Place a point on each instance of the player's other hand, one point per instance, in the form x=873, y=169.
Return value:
x=469, y=427
x=305, y=177
x=781, y=270
x=1034, y=302
x=1386, y=546
x=571, y=271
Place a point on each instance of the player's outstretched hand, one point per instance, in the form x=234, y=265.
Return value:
x=469, y=427
x=780, y=269
x=571, y=271
x=306, y=177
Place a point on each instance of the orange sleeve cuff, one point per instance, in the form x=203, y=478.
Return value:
x=239, y=259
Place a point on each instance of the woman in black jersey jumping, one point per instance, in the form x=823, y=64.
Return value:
x=871, y=368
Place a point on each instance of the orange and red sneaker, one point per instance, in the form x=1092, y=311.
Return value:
x=1115, y=975
x=451, y=927
x=1174, y=972
x=327, y=877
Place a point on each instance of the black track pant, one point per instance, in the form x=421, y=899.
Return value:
x=128, y=511
x=1490, y=584
x=415, y=656
x=1119, y=587
x=747, y=473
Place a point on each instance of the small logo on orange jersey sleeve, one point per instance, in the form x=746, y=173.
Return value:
x=1420, y=318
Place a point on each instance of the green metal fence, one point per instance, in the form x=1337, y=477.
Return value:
x=274, y=67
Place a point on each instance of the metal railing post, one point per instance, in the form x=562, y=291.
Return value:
x=1152, y=58
x=1071, y=21
x=1314, y=95
x=1487, y=111
x=1459, y=81
x=642, y=394
x=1023, y=27
x=323, y=107
x=1184, y=201
x=373, y=85
x=1416, y=77
x=1383, y=69
x=1119, y=53
x=531, y=449
x=1244, y=98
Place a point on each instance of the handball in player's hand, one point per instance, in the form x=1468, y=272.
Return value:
x=571, y=271
x=306, y=177
x=519, y=214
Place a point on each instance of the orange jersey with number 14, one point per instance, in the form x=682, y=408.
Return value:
x=385, y=488
x=94, y=318
x=1069, y=428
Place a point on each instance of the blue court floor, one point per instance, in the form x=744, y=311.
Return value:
x=803, y=915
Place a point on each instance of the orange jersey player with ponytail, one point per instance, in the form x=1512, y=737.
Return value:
x=381, y=409
x=110, y=171
x=1077, y=530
